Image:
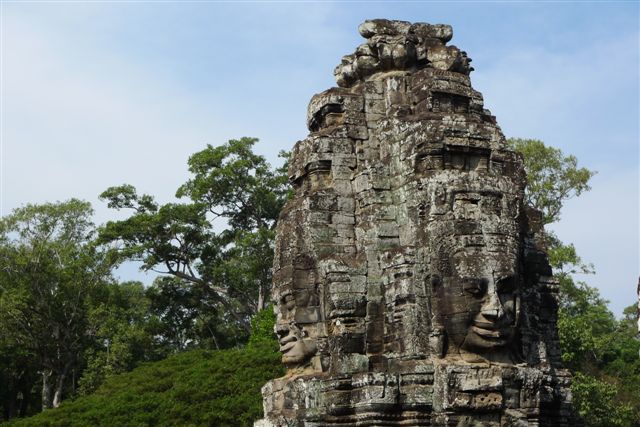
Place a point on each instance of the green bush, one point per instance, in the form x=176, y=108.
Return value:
x=595, y=401
x=262, y=328
x=195, y=388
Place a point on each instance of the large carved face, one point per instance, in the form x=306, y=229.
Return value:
x=298, y=314
x=473, y=235
x=478, y=298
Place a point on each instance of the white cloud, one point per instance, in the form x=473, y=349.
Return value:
x=584, y=100
x=76, y=122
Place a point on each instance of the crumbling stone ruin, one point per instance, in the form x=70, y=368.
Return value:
x=409, y=281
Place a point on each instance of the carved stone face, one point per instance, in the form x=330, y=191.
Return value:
x=297, y=325
x=474, y=240
x=479, y=299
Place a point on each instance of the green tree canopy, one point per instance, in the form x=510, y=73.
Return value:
x=220, y=239
x=601, y=351
x=552, y=177
x=50, y=269
x=122, y=333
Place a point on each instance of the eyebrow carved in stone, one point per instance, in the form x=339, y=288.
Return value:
x=449, y=103
x=465, y=159
x=328, y=115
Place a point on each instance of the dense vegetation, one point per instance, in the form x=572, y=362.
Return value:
x=66, y=325
x=191, y=349
x=601, y=351
x=198, y=387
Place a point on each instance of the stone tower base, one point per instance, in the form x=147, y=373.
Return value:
x=428, y=395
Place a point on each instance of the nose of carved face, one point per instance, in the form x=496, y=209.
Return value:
x=492, y=310
x=493, y=325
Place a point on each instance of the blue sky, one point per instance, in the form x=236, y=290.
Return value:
x=96, y=94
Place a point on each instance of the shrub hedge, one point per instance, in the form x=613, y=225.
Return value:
x=195, y=388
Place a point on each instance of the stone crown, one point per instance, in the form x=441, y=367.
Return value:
x=400, y=46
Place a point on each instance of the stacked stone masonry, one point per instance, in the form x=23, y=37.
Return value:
x=409, y=281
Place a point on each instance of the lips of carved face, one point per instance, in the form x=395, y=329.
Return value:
x=493, y=323
x=295, y=345
x=286, y=337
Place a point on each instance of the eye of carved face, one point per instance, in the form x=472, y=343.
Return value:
x=475, y=287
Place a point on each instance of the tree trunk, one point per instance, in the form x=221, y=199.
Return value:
x=47, y=387
x=57, y=396
x=9, y=411
x=261, y=297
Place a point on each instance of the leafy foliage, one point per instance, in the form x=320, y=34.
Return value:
x=186, y=318
x=121, y=327
x=50, y=270
x=602, y=352
x=552, y=177
x=196, y=388
x=237, y=184
x=595, y=401
x=262, y=329
x=231, y=267
x=65, y=322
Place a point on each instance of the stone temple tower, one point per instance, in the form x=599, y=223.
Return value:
x=409, y=282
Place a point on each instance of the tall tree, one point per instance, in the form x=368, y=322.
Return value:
x=600, y=350
x=552, y=179
x=50, y=268
x=187, y=318
x=221, y=239
x=122, y=333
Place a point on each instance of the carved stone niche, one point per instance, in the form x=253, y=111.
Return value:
x=410, y=284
